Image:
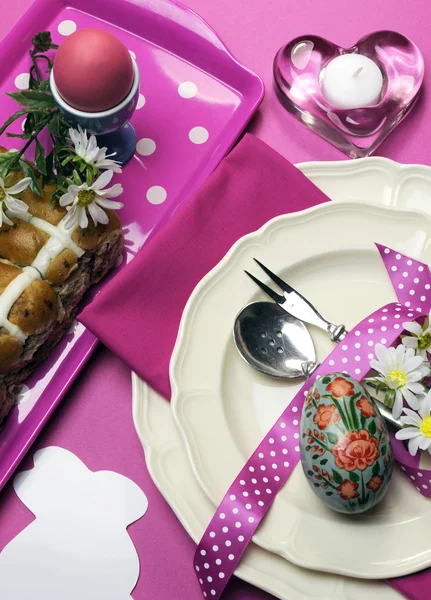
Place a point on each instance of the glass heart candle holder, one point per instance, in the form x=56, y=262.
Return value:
x=352, y=97
x=111, y=127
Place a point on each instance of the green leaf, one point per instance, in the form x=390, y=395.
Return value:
x=376, y=468
x=372, y=427
x=326, y=380
x=29, y=124
x=40, y=158
x=324, y=461
x=316, y=484
x=54, y=126
x=329, y=493
x=49, y=177
x=7, y=160
x=315, y=456
x=354, y=413
x=384, y=450
x=311, y=473
x=89, y=176
x=76, y=177
x=337, y=477
x=332, y=437
x=354, y=477
x=364, y=500
x=21, y=136
x=44, y=86
x=14, y=117
x=29, y=172
x=381, y=387
x=307, y=448
x=33, y=99
x=389, y=398
x=67, y=160
x=308, y=415
x=344, y=417
x=363, y=421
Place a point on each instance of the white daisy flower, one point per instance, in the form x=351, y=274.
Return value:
x=400, y=371
x=88, y=151
x=7, y=200
x=420, y=341
x=94, y=198
x=417, y=427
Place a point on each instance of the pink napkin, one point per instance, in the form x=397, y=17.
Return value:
x=138, y=313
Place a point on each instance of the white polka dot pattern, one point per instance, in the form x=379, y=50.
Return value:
x=141, y=101
x=187, y=89
x=145, y=146
x=22, y=81
x=252, y=493
x=198, y=135
x=416, y=288
x=67, y=27
x=156, y=194
x=415, y=294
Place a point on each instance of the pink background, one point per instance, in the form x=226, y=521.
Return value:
x=94, y=420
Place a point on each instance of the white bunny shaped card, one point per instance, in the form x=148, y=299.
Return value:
x=78, y=546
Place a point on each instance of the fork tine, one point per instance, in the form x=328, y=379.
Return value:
x=275, y=278
x=273, y=295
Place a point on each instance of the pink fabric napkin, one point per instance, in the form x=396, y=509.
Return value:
x=138, y=313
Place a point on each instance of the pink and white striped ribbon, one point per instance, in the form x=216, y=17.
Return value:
x=268, y=468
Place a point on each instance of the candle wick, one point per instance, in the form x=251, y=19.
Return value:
x=356, y=73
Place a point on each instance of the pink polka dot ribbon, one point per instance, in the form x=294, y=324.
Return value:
x=411, y=280
x=268, y=468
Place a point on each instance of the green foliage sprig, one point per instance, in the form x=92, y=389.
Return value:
x=40, y=112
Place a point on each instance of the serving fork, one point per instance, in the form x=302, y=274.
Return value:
x=298, y=306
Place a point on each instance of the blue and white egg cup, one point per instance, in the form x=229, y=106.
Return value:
x=111, y=127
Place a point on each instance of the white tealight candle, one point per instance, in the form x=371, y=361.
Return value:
x=352, y=81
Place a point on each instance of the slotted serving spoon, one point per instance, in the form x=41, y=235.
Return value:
x=277, y=344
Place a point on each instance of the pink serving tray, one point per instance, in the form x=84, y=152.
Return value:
x=172, y=45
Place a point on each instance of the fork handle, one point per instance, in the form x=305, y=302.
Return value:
x=337, y=333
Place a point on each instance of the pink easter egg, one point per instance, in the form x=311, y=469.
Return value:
x=93, y=70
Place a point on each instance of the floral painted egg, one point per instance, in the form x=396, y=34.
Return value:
x=346, y=452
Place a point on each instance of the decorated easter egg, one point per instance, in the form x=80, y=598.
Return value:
x=93, y=70
x=346, y=452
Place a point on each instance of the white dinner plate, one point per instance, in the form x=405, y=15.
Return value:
x=172, y=473
x=373, y=180
x=223, y=408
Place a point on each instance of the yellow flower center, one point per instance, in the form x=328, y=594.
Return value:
x=426, y=427
x=424, y=341
x=2, y=194
x=397, y=376
x=85, y=197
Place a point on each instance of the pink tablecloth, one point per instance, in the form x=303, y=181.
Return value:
x=94, y=419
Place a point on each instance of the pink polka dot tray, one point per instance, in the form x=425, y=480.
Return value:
x=194, y=101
